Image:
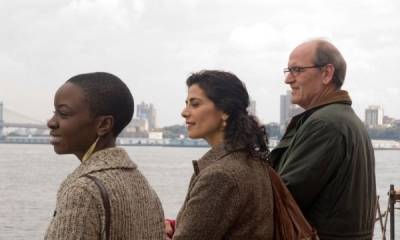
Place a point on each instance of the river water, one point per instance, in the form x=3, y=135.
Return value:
x=31, y=174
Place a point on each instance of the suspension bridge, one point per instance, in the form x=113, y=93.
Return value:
x=16, y=127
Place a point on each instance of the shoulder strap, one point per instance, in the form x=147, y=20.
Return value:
x=290, y=222
x=106, y=203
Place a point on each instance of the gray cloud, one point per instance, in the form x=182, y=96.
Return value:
x=154, y=44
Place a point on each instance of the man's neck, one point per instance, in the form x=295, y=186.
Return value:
x=322, y=96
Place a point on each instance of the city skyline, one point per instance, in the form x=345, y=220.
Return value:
x=287, y=110
x=154, y=45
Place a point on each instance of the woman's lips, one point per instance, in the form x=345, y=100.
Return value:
x=189, y=124
x=55, y=139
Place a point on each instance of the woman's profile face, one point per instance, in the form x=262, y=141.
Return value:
x=203, y=119
x=72, y=128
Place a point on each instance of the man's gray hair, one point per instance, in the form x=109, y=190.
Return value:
x=327, y=53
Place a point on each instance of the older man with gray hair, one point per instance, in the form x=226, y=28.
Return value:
x=326, y=157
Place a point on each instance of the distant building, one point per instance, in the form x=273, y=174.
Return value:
x=252, y=108
x=396, y=123
x=136, y=128
x=138, y=125
x=287, y=109
x=388, y=121
x=284, y=109
x=147, y=112
x=155, y=135
x=374, y=116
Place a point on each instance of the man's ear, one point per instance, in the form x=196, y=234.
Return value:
x=105, y=125
x=328, y=72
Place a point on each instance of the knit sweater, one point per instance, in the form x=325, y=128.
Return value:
x=229, y=197
x=136, y=211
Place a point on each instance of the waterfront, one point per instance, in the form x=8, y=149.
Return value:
x=31, y=174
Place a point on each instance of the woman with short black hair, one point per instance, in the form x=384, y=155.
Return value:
x=90, y=111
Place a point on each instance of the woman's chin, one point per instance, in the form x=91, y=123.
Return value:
x=59, y=150
x=194, y=136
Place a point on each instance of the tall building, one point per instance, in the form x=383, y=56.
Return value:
x=284, y=108
x=374, y=116
x=147, y=112
x=137, y=128
x=252, y=108
x=287, y=109
x=137, y=125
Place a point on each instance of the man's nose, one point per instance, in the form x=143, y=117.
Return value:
x=289, y=78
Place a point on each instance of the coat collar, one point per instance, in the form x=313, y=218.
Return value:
x=339, y=96
x=213, y=155
x=109, y=158
x=106, y=159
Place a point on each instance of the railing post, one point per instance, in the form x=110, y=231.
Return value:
x=392, y=202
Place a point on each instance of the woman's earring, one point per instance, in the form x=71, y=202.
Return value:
x=224, y=118
x=90, y=150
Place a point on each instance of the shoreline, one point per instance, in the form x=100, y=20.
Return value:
x=378, y=144
x=155, y=145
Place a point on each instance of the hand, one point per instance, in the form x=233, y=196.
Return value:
x=169, y=228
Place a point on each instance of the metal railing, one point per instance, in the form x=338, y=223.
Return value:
x=394, y=196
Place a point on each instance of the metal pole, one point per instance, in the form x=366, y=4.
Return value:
x=392, y=202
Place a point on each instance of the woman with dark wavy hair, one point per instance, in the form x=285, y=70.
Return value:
x=229, y=195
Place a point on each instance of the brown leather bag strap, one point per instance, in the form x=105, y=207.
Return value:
x=290, y=222
x=106, y=204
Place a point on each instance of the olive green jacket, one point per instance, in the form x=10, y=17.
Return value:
x=136, y=212
x=327, y=161
x=229, y=197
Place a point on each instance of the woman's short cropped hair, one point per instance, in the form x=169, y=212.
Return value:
x=107, y=94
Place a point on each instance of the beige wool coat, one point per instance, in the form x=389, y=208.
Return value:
x=229, y=197
x=135, y=208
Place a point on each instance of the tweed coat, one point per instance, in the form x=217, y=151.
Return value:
x=229, y=197
x=135, y=208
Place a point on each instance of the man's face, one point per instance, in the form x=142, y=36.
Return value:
x=307, y=84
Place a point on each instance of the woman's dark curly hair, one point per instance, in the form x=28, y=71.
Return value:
x=229, y=95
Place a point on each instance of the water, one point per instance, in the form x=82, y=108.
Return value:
x=31, y=174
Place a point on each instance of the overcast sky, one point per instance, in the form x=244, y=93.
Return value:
x=153, y=45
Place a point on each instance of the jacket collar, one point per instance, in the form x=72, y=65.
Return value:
x=339, y=96
x=109, y=158
x=213, y=155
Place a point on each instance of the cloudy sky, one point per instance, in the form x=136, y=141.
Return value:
x=153, y=45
